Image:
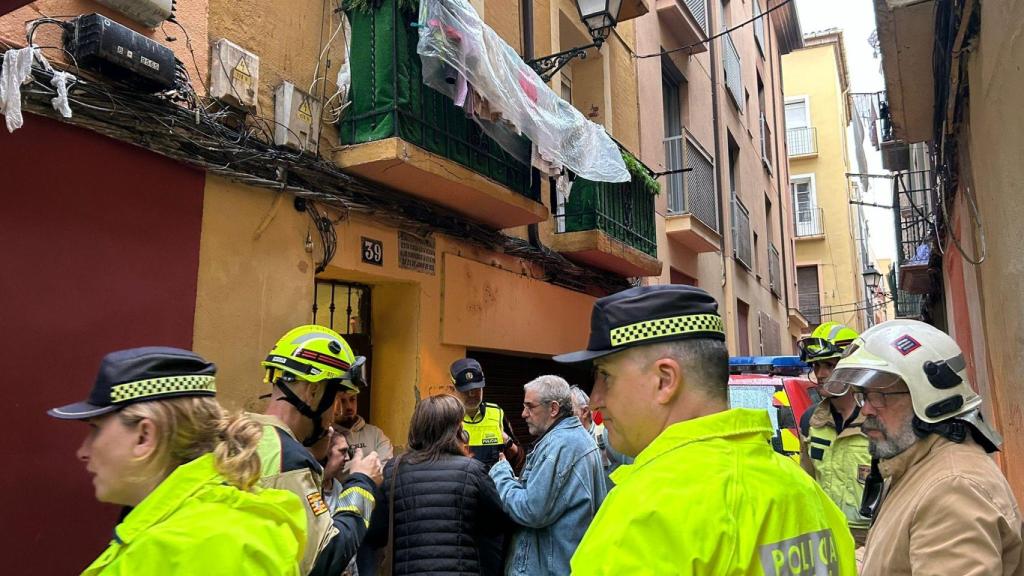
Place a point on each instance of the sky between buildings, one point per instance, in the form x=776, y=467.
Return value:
x=856, y=18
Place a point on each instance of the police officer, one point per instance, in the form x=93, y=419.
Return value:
x=490, y=433
x=707, y=494
x=833, y=448
x=307, y=367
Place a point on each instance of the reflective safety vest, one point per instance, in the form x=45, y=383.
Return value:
x=195, y=524
x=841, y=462
x=486, y=438
x=711, y=496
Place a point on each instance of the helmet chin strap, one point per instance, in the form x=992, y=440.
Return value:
x=315, y=415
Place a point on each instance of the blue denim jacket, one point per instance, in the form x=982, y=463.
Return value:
x=557, y=496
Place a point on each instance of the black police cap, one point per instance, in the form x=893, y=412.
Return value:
x=648, y=315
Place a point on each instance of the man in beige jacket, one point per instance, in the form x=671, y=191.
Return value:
x=944, y=507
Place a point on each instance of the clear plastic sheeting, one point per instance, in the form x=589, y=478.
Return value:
x=466, y=60
x=17, y=71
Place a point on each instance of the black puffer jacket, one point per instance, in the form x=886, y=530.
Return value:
x=448, y=519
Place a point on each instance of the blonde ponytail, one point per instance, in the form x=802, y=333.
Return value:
x=238, y=438
x=191, y=426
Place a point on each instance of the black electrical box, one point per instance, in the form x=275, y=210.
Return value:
x=99, y=43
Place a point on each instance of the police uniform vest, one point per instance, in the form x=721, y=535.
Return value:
x=841, y=461
x=486, y=439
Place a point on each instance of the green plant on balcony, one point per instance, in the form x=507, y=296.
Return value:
x=622, y=210
x=389, y=99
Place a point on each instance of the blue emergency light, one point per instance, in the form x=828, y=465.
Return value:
x=770, y=365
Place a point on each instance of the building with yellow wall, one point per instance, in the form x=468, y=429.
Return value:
x=828, y=230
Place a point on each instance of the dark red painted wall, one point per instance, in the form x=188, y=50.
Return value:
x=99, y=250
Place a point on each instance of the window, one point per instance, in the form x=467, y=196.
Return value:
x=743, y=326
x=753, y=258
x=808, y=295
x=796, y=114
x=805, y=205
x=566, y=88
x=768, y=228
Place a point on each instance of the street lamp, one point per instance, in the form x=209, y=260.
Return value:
x=871, y=278
x=600, y=16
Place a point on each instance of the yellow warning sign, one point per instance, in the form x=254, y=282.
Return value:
x=241, y=74
x=305, y=112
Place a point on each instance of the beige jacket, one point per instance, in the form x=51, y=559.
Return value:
x=370, y=438
x=947, y=510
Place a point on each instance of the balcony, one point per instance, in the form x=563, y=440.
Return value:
x=609, y=226
x=686, y=21
x=692, y=203
x=404, y=135
x=809, y=223
x=915, y=199
x=774, y=271
x=741, y=249
x=733, y=72
x=802, y=142
x=905, y=304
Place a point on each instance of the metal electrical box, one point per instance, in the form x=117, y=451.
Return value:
x=298, y=118
x=234, y=74
x=99, y=43
x=146, y=12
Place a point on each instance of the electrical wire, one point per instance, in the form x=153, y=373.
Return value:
x=719, y=35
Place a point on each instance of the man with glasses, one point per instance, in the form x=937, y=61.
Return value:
x=561, y=487
x=833, y=448
x=944, y=507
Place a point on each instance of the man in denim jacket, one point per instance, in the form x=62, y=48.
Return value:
x=561, y=488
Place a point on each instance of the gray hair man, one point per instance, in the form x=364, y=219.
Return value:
x=611, y=458
x=946, y=508
x=562, y=485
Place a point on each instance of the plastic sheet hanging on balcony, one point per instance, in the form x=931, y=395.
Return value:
x=467, y=61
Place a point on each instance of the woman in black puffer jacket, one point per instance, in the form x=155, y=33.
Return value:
x=448, y=519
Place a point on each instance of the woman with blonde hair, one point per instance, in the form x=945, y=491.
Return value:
x=161, y=444
x=440, y=509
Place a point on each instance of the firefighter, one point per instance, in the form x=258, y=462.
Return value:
x=944, y=507
x=490, y=433
x=706, y=494
x=833, y=448
x=307, y=367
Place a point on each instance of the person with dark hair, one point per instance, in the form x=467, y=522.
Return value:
x=160, y=444
x=440, y=511
x=706, y=494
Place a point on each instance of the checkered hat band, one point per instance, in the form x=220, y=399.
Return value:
x=651, y=329
x=160, y=386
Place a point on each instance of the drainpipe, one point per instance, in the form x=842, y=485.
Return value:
x=718, y=151
x=526, y=15
x=778, y=179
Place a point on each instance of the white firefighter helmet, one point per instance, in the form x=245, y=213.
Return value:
x=927, y=359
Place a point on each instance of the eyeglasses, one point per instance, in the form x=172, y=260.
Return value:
x=876, y=399
x=531, y=407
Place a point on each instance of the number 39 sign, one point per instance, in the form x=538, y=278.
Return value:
x=373, y=251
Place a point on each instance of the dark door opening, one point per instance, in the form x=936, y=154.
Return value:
x=345, y=308
x=506, y=374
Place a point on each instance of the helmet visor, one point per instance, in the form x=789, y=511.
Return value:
x=812, y=349
x=355, y=378
x=845, y=378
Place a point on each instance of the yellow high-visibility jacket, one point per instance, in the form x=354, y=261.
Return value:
x=709, y=496
x=193, y=524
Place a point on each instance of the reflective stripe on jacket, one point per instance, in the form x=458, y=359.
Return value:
x=333, y=535
x=485, y=433
x=710, y=496
x=839, y=462
x=194, y=524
